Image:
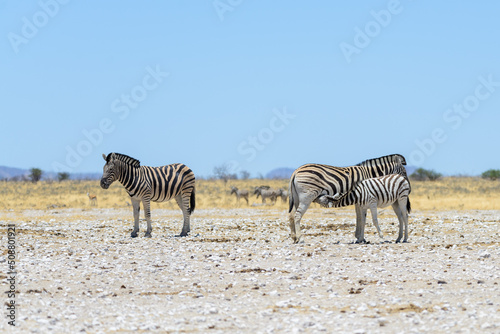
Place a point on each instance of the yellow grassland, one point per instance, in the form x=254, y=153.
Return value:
x=450, y=193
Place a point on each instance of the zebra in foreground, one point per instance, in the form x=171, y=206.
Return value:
x=311, y=181
x=371, y=193
x=240, y=193
x=146, y=184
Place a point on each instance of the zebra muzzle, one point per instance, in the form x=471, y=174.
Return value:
x=104, y=184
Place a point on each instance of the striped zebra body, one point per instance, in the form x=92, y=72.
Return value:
x=145, y=184
x=311, y=181
x=240, y=193
x=266, y=193
x=283, y=194
x=375, y=193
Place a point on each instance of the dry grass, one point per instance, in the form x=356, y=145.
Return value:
x=456, y=193
x=446, y=194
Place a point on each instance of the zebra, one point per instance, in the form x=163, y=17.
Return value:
x=240, y=193
x=310, y=181
x=283, y=194
x=146, y=184
x=371, y=193
x=266, y=192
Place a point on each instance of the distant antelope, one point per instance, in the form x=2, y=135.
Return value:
x=240, y=193
x=92, y=199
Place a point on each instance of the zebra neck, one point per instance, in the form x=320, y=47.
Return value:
x=128, y=176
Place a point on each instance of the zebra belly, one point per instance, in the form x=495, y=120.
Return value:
x=385, y=202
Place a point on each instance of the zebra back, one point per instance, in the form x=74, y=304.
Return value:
x=168, y=181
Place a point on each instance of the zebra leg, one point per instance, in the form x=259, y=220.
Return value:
x=373, y=209
x=136, y=207
x=183, y=202
x=304, y=201
x=397, y=209
x=147, y=214
x=403, y=206
x=291, y=222
x=360, y=224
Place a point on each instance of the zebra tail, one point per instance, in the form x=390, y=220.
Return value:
x=292, y=193
x=192, y=202
x=408, y=205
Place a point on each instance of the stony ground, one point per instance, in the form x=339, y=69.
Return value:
x=79, y=271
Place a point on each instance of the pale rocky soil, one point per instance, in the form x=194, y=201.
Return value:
x=238, y=272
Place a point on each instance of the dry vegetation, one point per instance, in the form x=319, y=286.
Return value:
x=451, y=193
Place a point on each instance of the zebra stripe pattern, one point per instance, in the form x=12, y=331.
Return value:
x=145, y=184
x=372, y=193
x=310, y=181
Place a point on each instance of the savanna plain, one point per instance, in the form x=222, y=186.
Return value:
x=78, y=269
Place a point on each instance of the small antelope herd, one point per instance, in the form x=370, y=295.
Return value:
x=370, y=184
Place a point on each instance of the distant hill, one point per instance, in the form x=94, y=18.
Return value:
x=12, y=172
x=280, y=173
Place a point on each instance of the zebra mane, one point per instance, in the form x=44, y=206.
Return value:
x=383, y=160
x=124, y=158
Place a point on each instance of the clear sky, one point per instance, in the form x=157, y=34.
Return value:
x=254, y=84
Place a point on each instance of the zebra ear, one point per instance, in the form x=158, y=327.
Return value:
x=104, y=156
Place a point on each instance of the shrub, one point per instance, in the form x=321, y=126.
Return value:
x=425, y=174
x=35, y=174
x=62, y=176
x=492, y=174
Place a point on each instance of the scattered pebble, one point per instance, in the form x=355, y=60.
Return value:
x=238, y=271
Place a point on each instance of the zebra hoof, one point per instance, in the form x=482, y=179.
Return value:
x=182, y=235
x=147, y=235
x=133, y=234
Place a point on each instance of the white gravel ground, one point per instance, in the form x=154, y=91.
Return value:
x=238, y=271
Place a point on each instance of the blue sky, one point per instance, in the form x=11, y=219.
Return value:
x=253, y=84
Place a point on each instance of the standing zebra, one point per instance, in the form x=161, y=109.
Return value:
x=371, y=193
x=146, y=184
x=310, y=181
x=283, y=194
x=240, y=193
x=266, y=192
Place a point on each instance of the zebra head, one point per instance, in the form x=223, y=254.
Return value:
x=108, y=174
